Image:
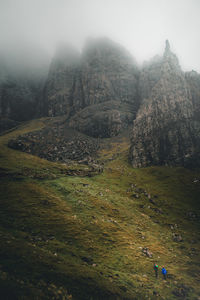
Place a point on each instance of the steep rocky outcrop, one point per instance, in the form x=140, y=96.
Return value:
x=21, y=85
x=102, y=91
x=164, y=131
x=109, y=72
x=104, y=119
x=97, y=92
x=61, y=82
x=109, y=87
x=193, y=80
x=149, y=76
x=18, y=99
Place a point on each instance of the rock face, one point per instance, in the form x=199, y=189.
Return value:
x=109, y=81
x=102, y=91
x=18, y=99
x=108, y=73
x=103, y=119
x=99, y=92
x=193, y=80
x=21, y=85
x=164, y=131
x=61, y=82
x=149, y=76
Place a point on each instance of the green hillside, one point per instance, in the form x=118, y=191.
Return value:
x=67, y=233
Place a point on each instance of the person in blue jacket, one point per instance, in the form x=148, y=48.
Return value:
x=164, y=272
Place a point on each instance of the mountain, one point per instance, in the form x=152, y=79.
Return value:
x=22, y=76
x=62, y=78
x=98, y=91
x=193, y=80
x=165, y=131
x=102, y=91
x=77, y=221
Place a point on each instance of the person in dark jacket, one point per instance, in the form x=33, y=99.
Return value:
x=164, y=272
x=155, y=267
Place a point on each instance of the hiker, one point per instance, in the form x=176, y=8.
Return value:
x=155, y=267
x=164, y=272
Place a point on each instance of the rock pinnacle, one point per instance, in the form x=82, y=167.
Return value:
x=167, y=46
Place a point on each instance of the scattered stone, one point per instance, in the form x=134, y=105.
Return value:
x=196, y=180
x=88, y=260
x=67, y=146
x=133, y=185
x=156, y=221
x=147, y=252
x=177, y=237
x=158, y=210
x=94, y=265
x=123, y=288
x=155, y=293
x=152, y=201
x=135, y=196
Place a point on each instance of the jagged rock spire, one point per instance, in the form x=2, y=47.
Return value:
x=167, y=51
x=167, y=46
x=167, y=100
x=170, y=57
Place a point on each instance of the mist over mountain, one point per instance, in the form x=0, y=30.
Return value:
x=102, y=90
x=23, y=72
x=99, y=149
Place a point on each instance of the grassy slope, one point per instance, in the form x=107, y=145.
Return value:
x=72, y=237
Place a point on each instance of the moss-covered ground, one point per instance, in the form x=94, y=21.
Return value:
x=82, y=237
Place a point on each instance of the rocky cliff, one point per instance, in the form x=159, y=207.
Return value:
x=62, y=79
x=21, y=85
x=164, y=131
x=102, y=91
x=193, y=80
x=18, y=99
x=98, y=92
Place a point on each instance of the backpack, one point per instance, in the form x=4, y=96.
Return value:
x=155, y=267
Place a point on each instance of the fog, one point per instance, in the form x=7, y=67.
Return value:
x=141, y=26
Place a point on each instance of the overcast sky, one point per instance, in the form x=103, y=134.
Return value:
x=142, y=26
